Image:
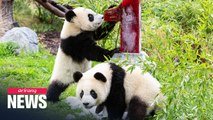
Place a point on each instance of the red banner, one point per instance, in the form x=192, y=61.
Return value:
x=24, y=91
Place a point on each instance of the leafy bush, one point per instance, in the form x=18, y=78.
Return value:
x=190, y=15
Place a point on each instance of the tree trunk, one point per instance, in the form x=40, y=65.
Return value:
x=6, y=12
x=6, y=16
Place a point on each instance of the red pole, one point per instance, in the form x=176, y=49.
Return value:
x=129, y=14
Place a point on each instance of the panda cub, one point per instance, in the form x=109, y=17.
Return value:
x=119, y=90
x=82, y=27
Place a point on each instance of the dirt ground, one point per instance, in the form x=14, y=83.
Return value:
x=50, y=40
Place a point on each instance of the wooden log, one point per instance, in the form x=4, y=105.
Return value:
x=54, y=8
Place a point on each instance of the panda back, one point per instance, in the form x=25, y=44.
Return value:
x=143, y=86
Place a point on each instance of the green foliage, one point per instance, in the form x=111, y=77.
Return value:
x=49, y=22
x=181, y=31
x=190, y=15
x=97, y=6
x=31, y=14
x=8, y=48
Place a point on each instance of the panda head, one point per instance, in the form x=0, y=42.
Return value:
x=81, y=19
x=92, y=89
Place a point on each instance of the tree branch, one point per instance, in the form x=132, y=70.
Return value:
x=54, y=8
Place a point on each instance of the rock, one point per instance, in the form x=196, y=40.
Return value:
x=70, y=117
x=75, y=103
x=24, y=37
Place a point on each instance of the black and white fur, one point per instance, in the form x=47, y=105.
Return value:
x=112, y=86
x=82, y=27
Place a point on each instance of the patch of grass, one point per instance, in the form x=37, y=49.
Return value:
x=32, y=70
x=8, y=48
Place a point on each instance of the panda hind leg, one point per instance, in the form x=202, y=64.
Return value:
x=54, y=90
x=137, y=109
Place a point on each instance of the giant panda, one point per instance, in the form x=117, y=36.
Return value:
x=82, y=27
x=119, y=90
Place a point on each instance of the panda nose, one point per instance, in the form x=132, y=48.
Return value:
x=85, y=104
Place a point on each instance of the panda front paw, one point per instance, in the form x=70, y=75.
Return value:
x=116, y=50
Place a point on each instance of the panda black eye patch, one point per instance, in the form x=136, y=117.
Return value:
x=93, y=94
x=91, y=17
x=82, y=93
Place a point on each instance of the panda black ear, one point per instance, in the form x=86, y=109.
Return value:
x=77, y=76
x=100, y=76
x=69, y=15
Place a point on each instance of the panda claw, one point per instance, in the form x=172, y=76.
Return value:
x=111, y=6
x=116, y=50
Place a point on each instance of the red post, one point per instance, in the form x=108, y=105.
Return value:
x=129, y=14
